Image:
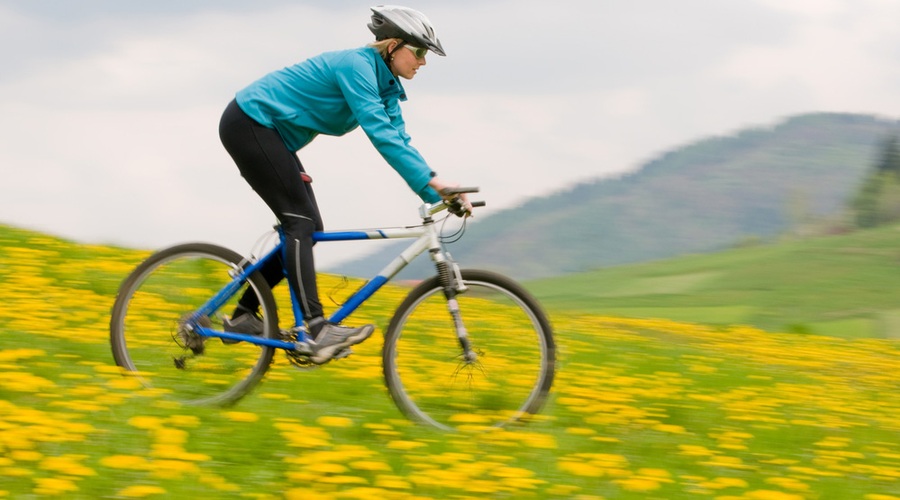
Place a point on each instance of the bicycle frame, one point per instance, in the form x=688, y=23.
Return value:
x=426, y=238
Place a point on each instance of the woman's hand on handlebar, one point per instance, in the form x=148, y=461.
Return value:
x=439, y=185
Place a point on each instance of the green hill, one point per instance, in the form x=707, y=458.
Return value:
x=703, y=197
x=838, y=285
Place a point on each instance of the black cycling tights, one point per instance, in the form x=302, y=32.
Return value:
x=273, y=171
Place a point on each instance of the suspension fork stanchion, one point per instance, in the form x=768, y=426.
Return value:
x=449, y=278
x=462, y=334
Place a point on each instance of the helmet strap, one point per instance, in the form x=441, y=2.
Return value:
x=390, y=55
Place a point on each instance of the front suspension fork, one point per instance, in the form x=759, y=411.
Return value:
x=453, y=285
x=462, y=335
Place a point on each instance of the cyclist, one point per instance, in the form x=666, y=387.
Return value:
x=332, y=94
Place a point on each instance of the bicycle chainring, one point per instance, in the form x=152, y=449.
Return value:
x=299, y=359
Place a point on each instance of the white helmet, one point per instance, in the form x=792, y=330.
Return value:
x=409, y=25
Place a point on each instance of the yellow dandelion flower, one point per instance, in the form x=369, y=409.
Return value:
x=341, y=480
x=638, y=484
x=131, y=462
x=726, y=461
x=326, y=468
x=54, y=486
x=329, y=421
x=15, y=472
x=580, y=431
x=17, y=354
x=25, y=455
x=168, y=435
x=377, y=427
x=470, y=418
x=241, y=416
x=68, y=465
x=24, y=382
x=148, y=423
x=370, y=465
x=695, y=450
x=404, y=445
x=580, y=469
x=833, y=442
x=124, y=383
x=535, y=440
x=225, y=486
x=108, y=369
x=522, y=483
x=512, y=472
x=141, y=491
x=172, y=469
x=300, y=477
x=176, y=452
x=724, y=482
x=672, y=429
x=656, y=474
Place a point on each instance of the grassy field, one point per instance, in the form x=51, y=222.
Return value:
x=641, y=409
x=839, y=285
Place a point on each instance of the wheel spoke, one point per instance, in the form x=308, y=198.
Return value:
x=153, y=327
x=424, y=366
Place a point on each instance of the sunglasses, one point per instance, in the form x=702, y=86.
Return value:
x=417, y=51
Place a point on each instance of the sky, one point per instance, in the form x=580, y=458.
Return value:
x=109, y=109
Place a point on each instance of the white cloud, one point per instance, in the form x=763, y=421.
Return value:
x=109, y=123
x=838, y=57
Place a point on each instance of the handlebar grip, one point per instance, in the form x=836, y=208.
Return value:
x=447, y=191
x=478, y=204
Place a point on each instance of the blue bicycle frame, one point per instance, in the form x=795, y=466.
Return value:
x=426, y=238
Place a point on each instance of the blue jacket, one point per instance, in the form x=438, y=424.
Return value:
x=332, y=94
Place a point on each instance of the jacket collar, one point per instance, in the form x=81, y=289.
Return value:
x=388, y=84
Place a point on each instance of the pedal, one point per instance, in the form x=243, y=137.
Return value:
x=303, y=348
x=299, y=356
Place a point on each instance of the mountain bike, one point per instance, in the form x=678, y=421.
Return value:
x=465, y=346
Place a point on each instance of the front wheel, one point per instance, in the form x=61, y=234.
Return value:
x=152, y=326
x=430, y=379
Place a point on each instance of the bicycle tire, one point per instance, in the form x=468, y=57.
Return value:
x=147, y=340
x=422, y=357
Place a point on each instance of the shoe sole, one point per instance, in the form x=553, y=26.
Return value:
x=230, y=328
x=328, y=354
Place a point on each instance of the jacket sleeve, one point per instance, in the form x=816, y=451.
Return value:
x=358, y=82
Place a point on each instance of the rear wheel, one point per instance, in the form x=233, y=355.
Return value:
x=426, y=373
x=151, y=326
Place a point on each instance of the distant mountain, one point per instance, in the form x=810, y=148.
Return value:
x=702, y=197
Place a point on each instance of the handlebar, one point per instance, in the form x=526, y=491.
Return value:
x=448, y=191
x=452, y=202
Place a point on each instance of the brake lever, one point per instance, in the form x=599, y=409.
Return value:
x=457, y=208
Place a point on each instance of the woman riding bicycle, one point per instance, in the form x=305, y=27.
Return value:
x=331, y=94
